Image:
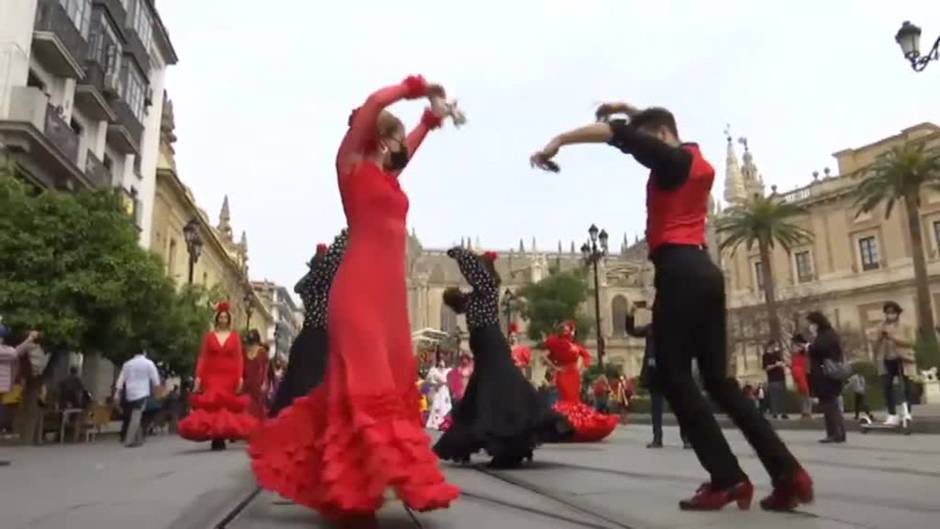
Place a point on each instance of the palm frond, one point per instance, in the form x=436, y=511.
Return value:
x=901, y=172
x=766, y=219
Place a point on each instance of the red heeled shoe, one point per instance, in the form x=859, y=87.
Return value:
x=790, y=492
x=708, y=498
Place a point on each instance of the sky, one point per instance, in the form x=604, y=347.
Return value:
x=263, y=90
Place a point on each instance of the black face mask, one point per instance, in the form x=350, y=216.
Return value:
x=398, y=159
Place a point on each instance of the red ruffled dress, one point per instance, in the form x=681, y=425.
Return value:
x=217, y=412
x=256, y=375
x=359, y=433
x=588, y=424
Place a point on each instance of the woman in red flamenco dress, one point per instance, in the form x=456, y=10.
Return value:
x=359, y=433
x=218, y=410
x=256, y=376
x=563, y=356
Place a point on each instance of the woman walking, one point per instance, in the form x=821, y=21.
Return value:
x=824, y=353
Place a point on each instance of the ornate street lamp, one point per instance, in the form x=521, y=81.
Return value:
x=509, y=300
x=908, y=38
x=193, y=245
x=593, y=251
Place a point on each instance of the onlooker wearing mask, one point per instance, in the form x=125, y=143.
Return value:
x=776, y=379
x=894, y=357
x=799, y=370
x=826, y=347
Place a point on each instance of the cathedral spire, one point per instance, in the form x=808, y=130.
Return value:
x=225, y=221
x=521, y=247
x=753, y=183
x=734, y=182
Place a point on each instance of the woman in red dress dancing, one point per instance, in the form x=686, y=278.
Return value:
x=359, y=432
x=256, y=375
x=218, y=411
x=563, y=355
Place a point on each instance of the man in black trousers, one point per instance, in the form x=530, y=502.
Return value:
x=689, y=309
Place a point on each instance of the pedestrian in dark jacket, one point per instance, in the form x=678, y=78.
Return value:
x=648, y=380
x=826, y=346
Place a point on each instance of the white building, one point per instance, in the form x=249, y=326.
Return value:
x=81, y=84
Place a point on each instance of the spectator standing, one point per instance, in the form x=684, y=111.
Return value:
x=776, y=379
x=826, y=349
x=799, y=370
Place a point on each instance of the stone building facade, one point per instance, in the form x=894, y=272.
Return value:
x=854, y=264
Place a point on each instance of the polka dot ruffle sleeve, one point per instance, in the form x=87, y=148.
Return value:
x=483, y=300
x=316, y=292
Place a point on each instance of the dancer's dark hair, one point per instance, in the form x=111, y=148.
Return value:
x=819, y=319
x=653, y=118
x=455, y=299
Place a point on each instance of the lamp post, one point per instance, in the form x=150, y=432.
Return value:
x=248, y=299
x=193, y=245
x=508, y=300
x=908, y=38
x=593, y=251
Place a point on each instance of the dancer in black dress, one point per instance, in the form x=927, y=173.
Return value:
x=500, y=411
x=308, y=352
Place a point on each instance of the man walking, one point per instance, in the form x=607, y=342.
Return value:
x=689, y=316
x=135, y=384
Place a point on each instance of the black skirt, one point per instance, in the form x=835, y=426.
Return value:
x=305, y=368
x=500, y=412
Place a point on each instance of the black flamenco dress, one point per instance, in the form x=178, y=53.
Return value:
x=308, y=352
x=500, y=412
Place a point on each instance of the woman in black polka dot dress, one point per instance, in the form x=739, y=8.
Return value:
x=500, y=412
x=308, y=352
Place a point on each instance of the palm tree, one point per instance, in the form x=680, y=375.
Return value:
x=765, y=221
x=898, y=176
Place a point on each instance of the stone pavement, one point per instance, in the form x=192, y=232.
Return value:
x=874, y=481
x=167, y=483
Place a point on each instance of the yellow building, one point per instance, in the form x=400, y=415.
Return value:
x=853, y=265
x=221, y=261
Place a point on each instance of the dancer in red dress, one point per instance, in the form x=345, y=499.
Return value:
x=563, y=355
x=256, y=375
x=218, y=411
x=359, y=432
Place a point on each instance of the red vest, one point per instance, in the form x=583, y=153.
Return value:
x=677, y=216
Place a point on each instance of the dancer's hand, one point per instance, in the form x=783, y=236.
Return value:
x=197, y=385
x=435, y=91
x=241, y=385
x=543, y=158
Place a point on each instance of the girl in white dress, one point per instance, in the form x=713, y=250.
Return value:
x=439, y=394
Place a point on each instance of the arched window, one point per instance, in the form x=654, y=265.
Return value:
x=618, y=315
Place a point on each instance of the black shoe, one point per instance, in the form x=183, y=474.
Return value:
x=655, y=444
x=785, y=417
x=829, y=440
x=687, y=445
x=217, y=445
